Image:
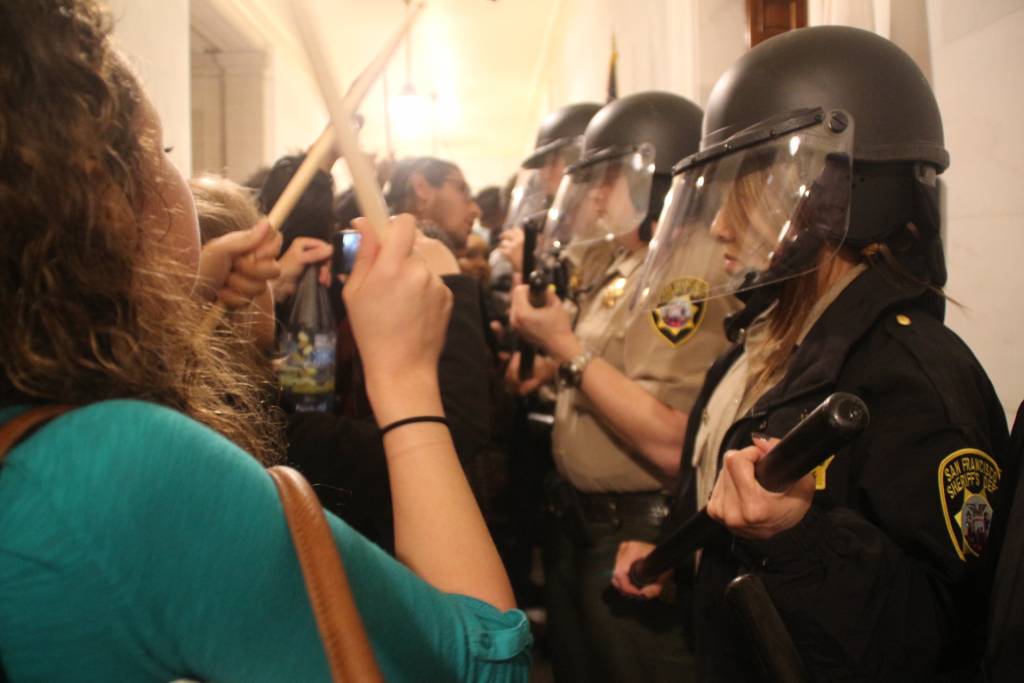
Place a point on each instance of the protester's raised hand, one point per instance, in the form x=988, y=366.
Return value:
x=301, y=252
x=235, y=268
x=399, y=311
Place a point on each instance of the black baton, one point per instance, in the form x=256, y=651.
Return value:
x=532, y=227
x=838, y=420
x=772, y=643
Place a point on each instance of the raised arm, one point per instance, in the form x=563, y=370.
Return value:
x=399, y=311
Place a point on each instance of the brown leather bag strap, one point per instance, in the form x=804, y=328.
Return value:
x=346, y=644
x=16, y=429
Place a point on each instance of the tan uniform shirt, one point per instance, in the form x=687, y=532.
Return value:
x=734, y=396
x=667, y=354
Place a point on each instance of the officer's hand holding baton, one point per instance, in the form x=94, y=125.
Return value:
x=548, y=327
x=755, y=494
x=531, y=229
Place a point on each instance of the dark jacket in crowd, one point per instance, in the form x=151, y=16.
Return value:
x=1004, y=655
x=877, y=582
x=343, y=457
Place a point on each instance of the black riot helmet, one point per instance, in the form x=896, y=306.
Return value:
x=669, y=123
x=834, y=67
x=620, y=181
x=559, y=140
x=899, y=140
x=560, y=127
x=815, y=139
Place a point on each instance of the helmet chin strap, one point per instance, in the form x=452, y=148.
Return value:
x=756, y=301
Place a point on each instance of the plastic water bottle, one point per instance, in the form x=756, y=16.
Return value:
x=307, y=344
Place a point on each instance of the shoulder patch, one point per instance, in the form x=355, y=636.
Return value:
x=679, y=309
x=967, y=478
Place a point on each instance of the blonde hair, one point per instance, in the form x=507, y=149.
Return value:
x=799, y=292
x=222, y=206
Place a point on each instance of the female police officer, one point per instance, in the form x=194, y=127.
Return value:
x=814, y=199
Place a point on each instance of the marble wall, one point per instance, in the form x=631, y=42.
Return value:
x=155, y=36
x=977, y=59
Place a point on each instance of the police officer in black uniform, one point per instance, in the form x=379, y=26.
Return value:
x=814, y=199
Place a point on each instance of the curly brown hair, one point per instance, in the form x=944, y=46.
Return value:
x=92, y=307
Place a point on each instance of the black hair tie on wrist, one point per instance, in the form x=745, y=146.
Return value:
x=412, y=420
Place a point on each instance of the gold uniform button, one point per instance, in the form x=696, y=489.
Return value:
x=903, y=320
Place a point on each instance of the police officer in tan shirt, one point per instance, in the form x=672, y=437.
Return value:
x=625, y=384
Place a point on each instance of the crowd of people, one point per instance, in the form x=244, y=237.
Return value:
x=532, y=387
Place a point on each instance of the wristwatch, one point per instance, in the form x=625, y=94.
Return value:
x=570, y=373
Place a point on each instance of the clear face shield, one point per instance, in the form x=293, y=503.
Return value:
x=538, y=180
x=769, y=204
x=601, y=198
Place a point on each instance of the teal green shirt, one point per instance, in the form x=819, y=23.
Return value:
x=139, y=545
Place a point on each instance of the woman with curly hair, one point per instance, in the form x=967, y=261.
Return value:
x=140, y=536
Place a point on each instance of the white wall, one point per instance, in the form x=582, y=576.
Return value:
x=681, y=46
x=510, y=63
x=297, y=115
x=155, y=35
x=245, y=57
x=972, y=53
x=977, y=54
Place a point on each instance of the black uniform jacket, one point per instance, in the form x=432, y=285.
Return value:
x=877, y=582
x=1004, y=658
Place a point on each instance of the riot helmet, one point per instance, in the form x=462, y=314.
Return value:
x=560, y=127
x=815, y=139
x=618, y=184
x=558, y=145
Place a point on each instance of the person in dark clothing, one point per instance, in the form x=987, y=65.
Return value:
x=313, y=213
x=1004, y=657
x=350, y=476
x=343, y=455
x=814, y=200
x=492, y=212
x=436, y=192
x=306, y=232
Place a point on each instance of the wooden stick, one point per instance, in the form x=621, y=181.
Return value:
x=320, y=150
x=388, y=141
x=364, y=180
x=301, y=179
